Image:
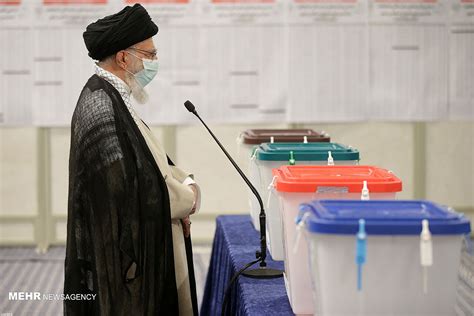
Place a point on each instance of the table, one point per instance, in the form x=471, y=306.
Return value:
x=235, y=243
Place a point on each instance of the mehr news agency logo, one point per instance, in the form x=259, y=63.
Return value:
x=38, y=296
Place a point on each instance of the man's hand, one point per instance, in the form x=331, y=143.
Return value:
x=193, y=210
x=186, y=226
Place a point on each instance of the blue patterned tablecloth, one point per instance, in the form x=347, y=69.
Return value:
x=234, y=246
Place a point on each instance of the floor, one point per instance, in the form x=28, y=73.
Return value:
x=23, y=270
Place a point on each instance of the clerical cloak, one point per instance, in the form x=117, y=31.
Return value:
x=119, y=239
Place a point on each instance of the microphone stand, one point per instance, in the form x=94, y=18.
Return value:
x=263, y=272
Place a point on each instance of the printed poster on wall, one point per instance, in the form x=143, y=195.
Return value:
x=461, y=60
x=408, y=59
x=61, y=65
x=15, y=65
x=244, y=60
x=328, y=60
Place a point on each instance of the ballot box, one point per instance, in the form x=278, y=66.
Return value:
x=382, y=257
x=294, y=185
x=268, y=156
x=249, y=139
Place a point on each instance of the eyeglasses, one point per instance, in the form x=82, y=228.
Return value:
x=146, y=52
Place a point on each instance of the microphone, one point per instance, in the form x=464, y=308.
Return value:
x=191, y=108
x=262, y=271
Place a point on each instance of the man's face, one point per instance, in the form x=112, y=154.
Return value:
x=143, y=50
x=133, y=61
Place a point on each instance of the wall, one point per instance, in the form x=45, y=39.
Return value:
x=434, y=160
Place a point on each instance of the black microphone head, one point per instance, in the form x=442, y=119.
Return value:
x=190, y=106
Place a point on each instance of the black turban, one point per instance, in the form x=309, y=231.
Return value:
x=118, y=31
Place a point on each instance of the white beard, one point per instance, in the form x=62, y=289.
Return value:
x=138, y=92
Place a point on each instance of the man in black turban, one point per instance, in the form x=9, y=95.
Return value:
x=128, y=231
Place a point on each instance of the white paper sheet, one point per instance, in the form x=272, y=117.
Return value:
x=253, y=60
x=15, y=63
x=408, y=60
x=461, y=60
x=61, y=66
x=244, y=59
x=328, y=60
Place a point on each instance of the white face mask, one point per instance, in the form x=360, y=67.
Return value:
x=149, y=71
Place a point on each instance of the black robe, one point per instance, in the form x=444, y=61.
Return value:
x=119, y=240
